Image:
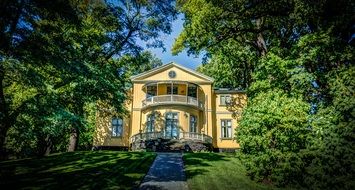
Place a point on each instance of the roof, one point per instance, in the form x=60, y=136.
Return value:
x=228, y=90
x=167, y=66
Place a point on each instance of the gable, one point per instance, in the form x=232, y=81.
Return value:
x=181, y=74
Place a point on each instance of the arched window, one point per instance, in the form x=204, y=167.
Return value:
x=171, y=125
x=193, y=124
x=150, y=123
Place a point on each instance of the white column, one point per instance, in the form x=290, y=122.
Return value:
x=171, y=91
x=187, y=88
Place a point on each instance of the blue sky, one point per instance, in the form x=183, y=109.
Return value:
x=182, y=58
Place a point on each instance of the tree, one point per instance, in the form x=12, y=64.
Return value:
x=271, y=134
x=332, y=149
x=295, y=50
x=231, y=66
x=70, y=50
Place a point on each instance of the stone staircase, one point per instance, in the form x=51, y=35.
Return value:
x=171, y=145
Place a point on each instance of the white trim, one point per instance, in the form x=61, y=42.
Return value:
x=169, y=65
x=224, y=112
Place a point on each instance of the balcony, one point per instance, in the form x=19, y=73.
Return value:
x=172, y=99
x=181, y=136
x=173, y=93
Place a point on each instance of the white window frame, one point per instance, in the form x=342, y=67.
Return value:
x=194, y=123
x=150, y=123
x=226, y=128
x=225, y=99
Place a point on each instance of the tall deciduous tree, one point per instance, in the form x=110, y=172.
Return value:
x=69, y=49
x=298, y=50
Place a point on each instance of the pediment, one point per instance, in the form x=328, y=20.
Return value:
x=172, y=72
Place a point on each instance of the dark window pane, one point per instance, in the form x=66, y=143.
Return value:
x=151, y=91
x=192, y=91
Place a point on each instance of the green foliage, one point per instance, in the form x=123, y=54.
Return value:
x=273, y=130
x=295, y=60
x=230, y=65
x=60, y=61
x=333, y=145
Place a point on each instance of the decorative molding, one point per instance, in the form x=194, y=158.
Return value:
x=223, y=112
x=167, y=66
x=169, y=81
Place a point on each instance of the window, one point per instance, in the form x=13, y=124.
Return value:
x=192, y=91
x=174, y=91
x=226, y=127
x=171, y=125
x=172, y=74
x=150, y=123
x=225, y=99
x=193, y=124
x=151, y=91
x=117, y=127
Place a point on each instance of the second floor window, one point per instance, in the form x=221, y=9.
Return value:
x=225, y=99
x=117, y=127
x=151, y=91
x=150, y=123
x=172, y=91
x=192, y=91
x=226, y=128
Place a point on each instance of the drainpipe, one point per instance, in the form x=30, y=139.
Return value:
x=206, y=112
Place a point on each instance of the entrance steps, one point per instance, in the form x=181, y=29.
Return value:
x=171, y=145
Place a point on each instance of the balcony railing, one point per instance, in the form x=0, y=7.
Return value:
x=175, y=99
x=162, y=135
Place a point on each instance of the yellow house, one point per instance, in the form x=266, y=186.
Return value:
x=172, y=107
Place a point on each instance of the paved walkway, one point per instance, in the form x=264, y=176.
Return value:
x=166, y=172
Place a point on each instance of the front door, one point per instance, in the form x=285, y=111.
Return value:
x=171, y=125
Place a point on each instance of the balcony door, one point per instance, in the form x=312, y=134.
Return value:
x=171, y=125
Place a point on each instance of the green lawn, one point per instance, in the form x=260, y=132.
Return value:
x=217, y=171
x=77, y=170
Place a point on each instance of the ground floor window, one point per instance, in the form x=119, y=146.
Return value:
x=226, y=127
x=150, y=123
x=117, y=127
x=193, y=124
x=171, y=125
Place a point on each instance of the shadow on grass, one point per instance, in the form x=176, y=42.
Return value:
x=198, y=163
x=77, y=170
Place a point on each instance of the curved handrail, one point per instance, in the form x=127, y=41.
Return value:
x=182, y=136
x=179, y=99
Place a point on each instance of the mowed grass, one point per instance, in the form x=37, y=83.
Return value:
x=217, y=171
x=77, y=170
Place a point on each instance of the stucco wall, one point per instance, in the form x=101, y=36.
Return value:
x=209, y=119
x=225, y=112
x=103, y=131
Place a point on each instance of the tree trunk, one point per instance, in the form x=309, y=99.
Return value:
x=49, y=145
x=75, y=130
x=73, y=139
x=260, y=41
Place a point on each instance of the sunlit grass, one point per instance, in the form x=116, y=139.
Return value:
x=217, y=171
x=77, y=170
